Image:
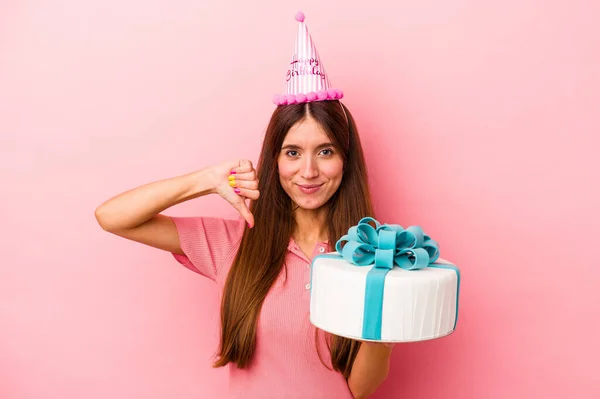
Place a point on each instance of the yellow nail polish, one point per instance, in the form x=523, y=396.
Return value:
x=231, y=177
x=232, y=183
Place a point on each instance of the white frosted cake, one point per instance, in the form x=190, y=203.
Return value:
x=404, y=306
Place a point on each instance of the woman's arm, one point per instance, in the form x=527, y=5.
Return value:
x=138, y=205
x=135, y=214
x=370, y=368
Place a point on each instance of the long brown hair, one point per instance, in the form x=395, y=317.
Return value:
x=256, y=265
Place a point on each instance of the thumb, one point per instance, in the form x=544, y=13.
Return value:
x=242, y=208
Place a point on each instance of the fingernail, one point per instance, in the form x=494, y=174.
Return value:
x=232, y=183
x=236, y=190
x=249, y=226
x=232, y=172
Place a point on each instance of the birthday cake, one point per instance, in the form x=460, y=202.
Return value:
x=384, y=283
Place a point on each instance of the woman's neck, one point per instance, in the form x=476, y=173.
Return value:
x=310, y=225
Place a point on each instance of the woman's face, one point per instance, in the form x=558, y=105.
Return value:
x=310, y=167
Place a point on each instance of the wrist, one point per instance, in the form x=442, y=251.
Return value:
x=201, y=182
x=379, y=348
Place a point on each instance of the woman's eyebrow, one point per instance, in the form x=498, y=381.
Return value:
x=297, y=147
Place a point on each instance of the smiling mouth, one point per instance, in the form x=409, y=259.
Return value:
x=309, y=188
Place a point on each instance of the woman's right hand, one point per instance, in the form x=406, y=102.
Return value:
x=236, y=181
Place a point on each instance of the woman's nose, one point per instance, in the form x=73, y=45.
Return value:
x=309, y=169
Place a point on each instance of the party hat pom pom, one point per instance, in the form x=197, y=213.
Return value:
x=300, y=16
x=322, y=95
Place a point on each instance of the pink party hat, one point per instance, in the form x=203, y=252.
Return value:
x=306, y=79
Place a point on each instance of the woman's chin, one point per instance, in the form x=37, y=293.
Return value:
x=308, y=204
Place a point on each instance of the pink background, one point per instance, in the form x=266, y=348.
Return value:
x=479, y=120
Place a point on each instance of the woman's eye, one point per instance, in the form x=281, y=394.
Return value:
x=292, y=153
x=327, y=152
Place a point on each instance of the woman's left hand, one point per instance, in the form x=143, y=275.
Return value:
x=386, y=344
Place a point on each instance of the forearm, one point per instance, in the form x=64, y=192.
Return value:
x=370, y=369
x=136, y=206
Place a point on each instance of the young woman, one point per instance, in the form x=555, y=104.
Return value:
x=309, y=187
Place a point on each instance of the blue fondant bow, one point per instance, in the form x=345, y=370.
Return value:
x=386, y=245
x=383, y=246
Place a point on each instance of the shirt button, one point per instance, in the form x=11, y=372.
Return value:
x=307, y=286
x=321, y=249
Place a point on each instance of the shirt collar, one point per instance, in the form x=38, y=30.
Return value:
x=292, y=244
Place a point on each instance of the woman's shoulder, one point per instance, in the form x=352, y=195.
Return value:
x=208, y=242
x=211, y=225
x=209, y=231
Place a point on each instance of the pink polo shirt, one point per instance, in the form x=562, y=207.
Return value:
x=285, y=363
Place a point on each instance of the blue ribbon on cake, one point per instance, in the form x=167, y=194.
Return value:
x=385, y=246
